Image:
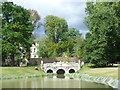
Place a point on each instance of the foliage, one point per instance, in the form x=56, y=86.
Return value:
x=42, y=48
x=101, y=44
x=16, y=30
x=79, y=47
x=72, y=35
x=55, y=28
x=60, y=39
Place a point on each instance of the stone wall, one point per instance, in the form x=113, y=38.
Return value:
x=68, y=59
x=114, y=83
x=37, y=61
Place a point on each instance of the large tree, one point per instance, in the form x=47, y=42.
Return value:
x=49, y=48
x=102, y=41
x=79, y=47
x=55, y=28
x=72, y=37
x=42, y=48
x=16, y=30
x=60, y=40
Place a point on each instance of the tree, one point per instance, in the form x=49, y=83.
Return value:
x=42, y=48
x=72, y=35
x=60, y=40
x=116, y=8
x=53, y=48
x=55, y=28
x=103, y=24
x=88, y=48
x=16, y=30
x=79, y=47
x=0, y=33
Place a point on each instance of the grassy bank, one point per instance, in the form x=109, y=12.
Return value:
x=105, y=71
x=86, y=69
x=19, y=71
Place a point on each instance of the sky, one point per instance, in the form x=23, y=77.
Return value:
x=73, y=11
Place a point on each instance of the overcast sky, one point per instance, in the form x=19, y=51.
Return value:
x=71, y=10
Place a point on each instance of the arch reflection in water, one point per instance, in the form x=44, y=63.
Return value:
x=60, y=71
x=61, y=76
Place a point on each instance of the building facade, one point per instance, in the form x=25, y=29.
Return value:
x=34, y=50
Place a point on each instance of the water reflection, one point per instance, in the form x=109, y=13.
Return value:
x=61, y=76
x=58, y=81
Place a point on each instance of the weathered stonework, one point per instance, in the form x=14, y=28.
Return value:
x=66, y=67
x=114, y=83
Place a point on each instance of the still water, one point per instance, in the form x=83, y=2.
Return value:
x=50, y=82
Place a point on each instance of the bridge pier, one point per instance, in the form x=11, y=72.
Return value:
x=67, y=72
x=54, y=71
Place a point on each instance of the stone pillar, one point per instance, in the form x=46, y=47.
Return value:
x=41, y=64
x=66, y=71
x=54, y=77
x=54, y=71
x=79, y=64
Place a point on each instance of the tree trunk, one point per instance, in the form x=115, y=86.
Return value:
x=27, y=55
x=13, y=60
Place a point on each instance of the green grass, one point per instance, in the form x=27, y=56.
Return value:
x=103, y=71
x=19, y=71
x=86, y=69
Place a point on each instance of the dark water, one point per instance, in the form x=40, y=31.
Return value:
x=50, y=82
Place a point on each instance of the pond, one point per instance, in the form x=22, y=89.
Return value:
x=50, y=82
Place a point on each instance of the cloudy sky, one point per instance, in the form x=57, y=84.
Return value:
x=71, y=10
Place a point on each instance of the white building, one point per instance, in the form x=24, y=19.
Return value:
x=34, y=50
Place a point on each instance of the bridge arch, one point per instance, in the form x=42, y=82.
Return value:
x=61, y=70
x=72, y=70
x=49, y=70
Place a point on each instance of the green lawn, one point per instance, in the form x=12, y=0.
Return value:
x=105, y=71
x=86, y=69
x=19, y=71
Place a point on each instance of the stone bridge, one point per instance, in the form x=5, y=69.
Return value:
x=60, y=67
